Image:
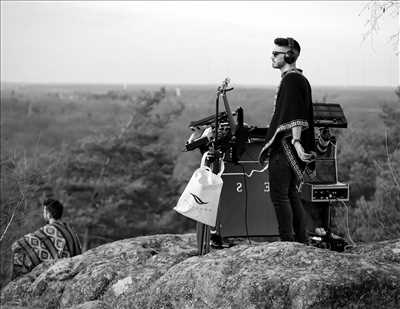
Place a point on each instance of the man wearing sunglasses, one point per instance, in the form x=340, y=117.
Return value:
x=289, y=148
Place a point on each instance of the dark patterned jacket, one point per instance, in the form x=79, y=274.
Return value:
x=52, y=241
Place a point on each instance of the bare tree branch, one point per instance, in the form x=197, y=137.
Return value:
x=377, y=10
x=20, y=202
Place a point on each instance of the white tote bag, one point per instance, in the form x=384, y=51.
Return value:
x=199, y=201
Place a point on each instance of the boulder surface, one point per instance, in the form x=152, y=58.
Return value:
x=163, y=271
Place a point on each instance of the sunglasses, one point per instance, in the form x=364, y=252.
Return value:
x=276, y=53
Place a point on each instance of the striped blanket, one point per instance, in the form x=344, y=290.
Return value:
x=52, y=241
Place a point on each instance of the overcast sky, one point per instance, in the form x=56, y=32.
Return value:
x=197, y=42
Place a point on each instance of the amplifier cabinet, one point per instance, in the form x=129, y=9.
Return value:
x=245, y=207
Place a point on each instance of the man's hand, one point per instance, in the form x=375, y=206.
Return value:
x=304, y=156
x=210, y=158
x=208, y=133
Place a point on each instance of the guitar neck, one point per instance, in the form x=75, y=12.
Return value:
x=232, y=122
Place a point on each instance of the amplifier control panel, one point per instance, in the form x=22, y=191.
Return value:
x=325, y=193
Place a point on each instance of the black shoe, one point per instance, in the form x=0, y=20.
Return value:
x=216, y=241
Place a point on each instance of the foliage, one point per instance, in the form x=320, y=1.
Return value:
x=120, y=185
x=376, y=214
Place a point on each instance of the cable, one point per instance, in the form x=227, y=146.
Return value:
x=256, y=171
x=347, y=225
x=246, y=206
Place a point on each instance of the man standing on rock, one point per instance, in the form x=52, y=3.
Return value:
x=52, y=241
x=289, y=141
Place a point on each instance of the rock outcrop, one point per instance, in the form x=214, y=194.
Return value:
x=163, y=271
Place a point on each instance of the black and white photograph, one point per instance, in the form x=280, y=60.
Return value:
x=200, y=154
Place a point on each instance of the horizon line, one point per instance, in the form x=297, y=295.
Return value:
x=183, y=84
x=161, y=84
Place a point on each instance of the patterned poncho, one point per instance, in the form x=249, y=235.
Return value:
x=292, y=107
x=52, y=241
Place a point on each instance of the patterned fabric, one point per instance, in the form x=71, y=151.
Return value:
x=52, y=241
x=292, y=159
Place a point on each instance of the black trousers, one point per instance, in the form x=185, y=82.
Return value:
x=288, y=207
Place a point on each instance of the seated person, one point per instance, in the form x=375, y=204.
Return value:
x=53, y=241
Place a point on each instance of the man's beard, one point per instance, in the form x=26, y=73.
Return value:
x=277, y=65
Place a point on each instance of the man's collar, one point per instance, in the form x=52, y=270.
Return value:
x=292, y=70
x=51, y=221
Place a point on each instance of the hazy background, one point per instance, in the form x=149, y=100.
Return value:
x=187, y=42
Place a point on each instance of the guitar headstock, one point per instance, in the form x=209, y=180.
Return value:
x=224, y=85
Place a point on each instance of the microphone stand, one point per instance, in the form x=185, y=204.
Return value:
x=203, y=230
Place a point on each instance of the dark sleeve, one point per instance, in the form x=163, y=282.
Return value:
x=293, y=99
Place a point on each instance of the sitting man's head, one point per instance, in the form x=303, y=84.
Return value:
x=52, y=210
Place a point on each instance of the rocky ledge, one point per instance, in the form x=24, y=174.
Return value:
x=163, y=271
